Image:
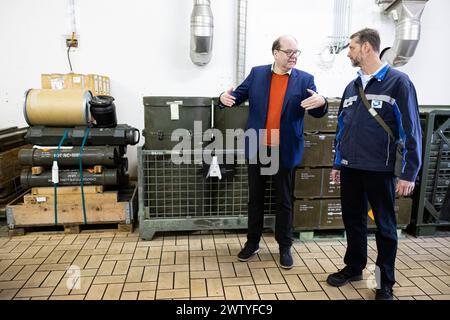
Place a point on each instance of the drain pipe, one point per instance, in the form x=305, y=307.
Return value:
x=241, y=41
x=406, y=14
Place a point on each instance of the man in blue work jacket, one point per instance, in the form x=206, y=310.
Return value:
x=278, y=96
x=365, y=159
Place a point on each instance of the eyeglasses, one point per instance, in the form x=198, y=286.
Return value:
x=291, y=53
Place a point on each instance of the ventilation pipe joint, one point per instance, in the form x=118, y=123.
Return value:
x=406, y=14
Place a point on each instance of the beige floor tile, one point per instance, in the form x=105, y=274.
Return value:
x=146, y=295
x=132, y=295
x=214, y=287
x=350, y=293
x=274, y=275
x=425, y=286
x=16, y=284
x=165, y=280
x=172, y=293
x=135, y=274
x=174, y=268
x=232, y=293
x=317, y=295
x=249, y=292
x=34, y=292
x=150, y=273
x=204, y=274
x=272, y=288
x=121, y=267
x=145, y=262
x=294, y=283
x=106, y=268
x=268, y=296
x=26, y=272
x=438, y=284
x=96, y=292
x=113, y=291
x=94, y=262
x=310, y=282
x=8, y=294
x=11, y=272
x=36, y=279
x=285, y=296
x=109, y=279
x=181, y=280
x=53, y=279
x=140, y=286
x=198, y=288
x=227, y=269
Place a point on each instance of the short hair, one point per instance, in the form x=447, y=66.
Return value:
x=276, y=45
x=368, y=35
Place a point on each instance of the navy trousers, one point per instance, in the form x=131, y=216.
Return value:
x=358, y=187
x=283, y=183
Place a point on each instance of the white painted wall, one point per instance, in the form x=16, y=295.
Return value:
x=143, y=45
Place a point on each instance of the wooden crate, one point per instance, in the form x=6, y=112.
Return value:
x=9, y=163
x=36, y=208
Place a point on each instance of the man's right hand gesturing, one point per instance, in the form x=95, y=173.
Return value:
x=227, y=99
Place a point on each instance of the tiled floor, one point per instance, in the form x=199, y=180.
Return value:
x=116, y=265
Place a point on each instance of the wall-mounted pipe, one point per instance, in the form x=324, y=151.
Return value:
x=202, y=25
x=406, y=14
x=241, y=41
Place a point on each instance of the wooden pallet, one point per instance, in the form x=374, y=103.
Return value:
x=36, y=209
x=72, y=228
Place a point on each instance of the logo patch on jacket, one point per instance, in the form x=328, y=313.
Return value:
x=377, y=104
x=348, y=102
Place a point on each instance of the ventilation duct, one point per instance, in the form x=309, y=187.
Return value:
x=201, y=32
x=406, y=15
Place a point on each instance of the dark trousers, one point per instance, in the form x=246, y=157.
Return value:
x=283, y=181
x=358, y=187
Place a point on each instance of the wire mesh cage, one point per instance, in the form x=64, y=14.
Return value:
x=176, y=192
x=434, y=177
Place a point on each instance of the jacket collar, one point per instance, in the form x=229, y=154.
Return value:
x=380, y=74
x=273, y=66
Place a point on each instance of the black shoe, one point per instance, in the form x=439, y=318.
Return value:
x=342, y=277
x=384, y=294
x=248, y=251
x=286, y=261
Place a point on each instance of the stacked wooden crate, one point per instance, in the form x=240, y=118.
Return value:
x=103, y=207
x=11, y=142
x=317, y=204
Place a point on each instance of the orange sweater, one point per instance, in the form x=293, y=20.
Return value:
x=278, y=86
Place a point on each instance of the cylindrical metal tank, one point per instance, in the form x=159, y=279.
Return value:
x=67, y=107
x=108, y=177
x=202, y=24
x=119, y=136
x=101, y=155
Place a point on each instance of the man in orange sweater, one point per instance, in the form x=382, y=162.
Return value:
x=278, y=96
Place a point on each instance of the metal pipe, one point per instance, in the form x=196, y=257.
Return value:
x=121, y=135
x=102, y=155
x=407, y=16
x=241, y=41
x=108, y=177
x=202, y=25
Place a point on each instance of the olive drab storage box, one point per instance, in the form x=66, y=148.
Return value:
x=164, y=115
